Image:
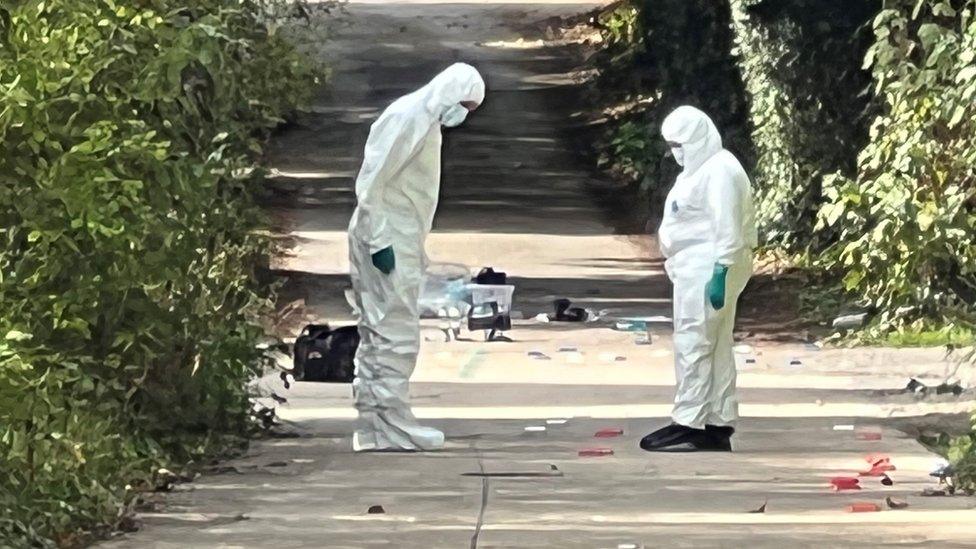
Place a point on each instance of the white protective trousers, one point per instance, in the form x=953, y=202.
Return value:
x=397, y=191
x=709, y=219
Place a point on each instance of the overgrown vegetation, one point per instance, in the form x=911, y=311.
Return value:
x=856, y=120
x=128, y=295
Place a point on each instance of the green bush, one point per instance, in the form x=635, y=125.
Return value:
x=905, y=225
x=657, y=57
x=128, y=296
x=809, y=113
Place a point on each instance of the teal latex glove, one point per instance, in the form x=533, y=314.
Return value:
x=384, y=260
x=716, y=286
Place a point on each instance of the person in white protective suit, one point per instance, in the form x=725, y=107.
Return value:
x=397, y=191
x=707, y=235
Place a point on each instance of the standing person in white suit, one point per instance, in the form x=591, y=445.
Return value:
x=397, y=191
x=707, y=235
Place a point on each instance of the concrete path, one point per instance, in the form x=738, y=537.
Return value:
x=517, y=195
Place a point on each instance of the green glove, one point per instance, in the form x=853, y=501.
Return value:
x=384, y=260
x=716, y=287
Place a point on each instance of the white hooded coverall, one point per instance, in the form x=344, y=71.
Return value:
x=397, y=191
x=709, y=219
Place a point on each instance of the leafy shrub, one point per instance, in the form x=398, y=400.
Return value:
x=906, y=224
x=801, y=63
x=128, y=296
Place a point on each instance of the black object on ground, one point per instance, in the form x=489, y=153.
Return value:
x=487, y=316
x=678, y=438
x=565, y=312
x=886, y=480
x=761, y=509
x=375, y=510
x=488, y=276
x=896, y=504
x=324, y=354
x=917, y=387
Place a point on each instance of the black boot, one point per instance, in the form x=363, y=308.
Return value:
x=687, y=439
x=663, y=433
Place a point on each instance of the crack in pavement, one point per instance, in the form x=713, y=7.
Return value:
x=485, y=485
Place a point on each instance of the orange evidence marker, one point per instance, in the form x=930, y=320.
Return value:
x=595, y=452
x=863, y=507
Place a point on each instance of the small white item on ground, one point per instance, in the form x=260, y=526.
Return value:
x=556, y=421
x=542, y=317
x=535, y=429
x=628, y=546
x=743, y=349
x=850, y=321
x=843, y=427
x=643, y=340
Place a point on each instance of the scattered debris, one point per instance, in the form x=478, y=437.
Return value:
x=565, y=312
x=843, y=427
x=750, y=360
x=760, y=509
x=867, y=433
x=538, y=355
x=895, y=504
x=877, y=459
x=568, y=350
x=287, y=379
x=630, y=326
x=643, y=340
x=934, y=492
x=542, y=317
x=535, y=429
x=863, y=507
x=628, y=546
x=848, y=322
x=886, y=480
x=943, y=471
x=277, y=464
x=609, y=432
x=878, y=470
x=743, y=349
x=595, y=452
x=375, y=510
x=611, y=357
x=845, y=483
x=794, y=363
x=556, y=421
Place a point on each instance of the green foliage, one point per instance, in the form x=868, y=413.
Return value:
x=657, y=57
x=128, y=296
x=801, y=64
x=905, y=225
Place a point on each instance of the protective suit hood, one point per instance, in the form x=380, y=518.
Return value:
x=697, y=134
x=459, y=82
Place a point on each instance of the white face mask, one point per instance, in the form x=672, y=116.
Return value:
x=679, y=155
x=454, y=116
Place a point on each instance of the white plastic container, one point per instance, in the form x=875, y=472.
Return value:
x=483, y=294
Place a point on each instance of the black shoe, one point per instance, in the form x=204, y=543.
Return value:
x=721, y=430
x=686, y=439
x=666, y=432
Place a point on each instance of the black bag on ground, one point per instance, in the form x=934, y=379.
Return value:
x=324, y=354
x=488, y=276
